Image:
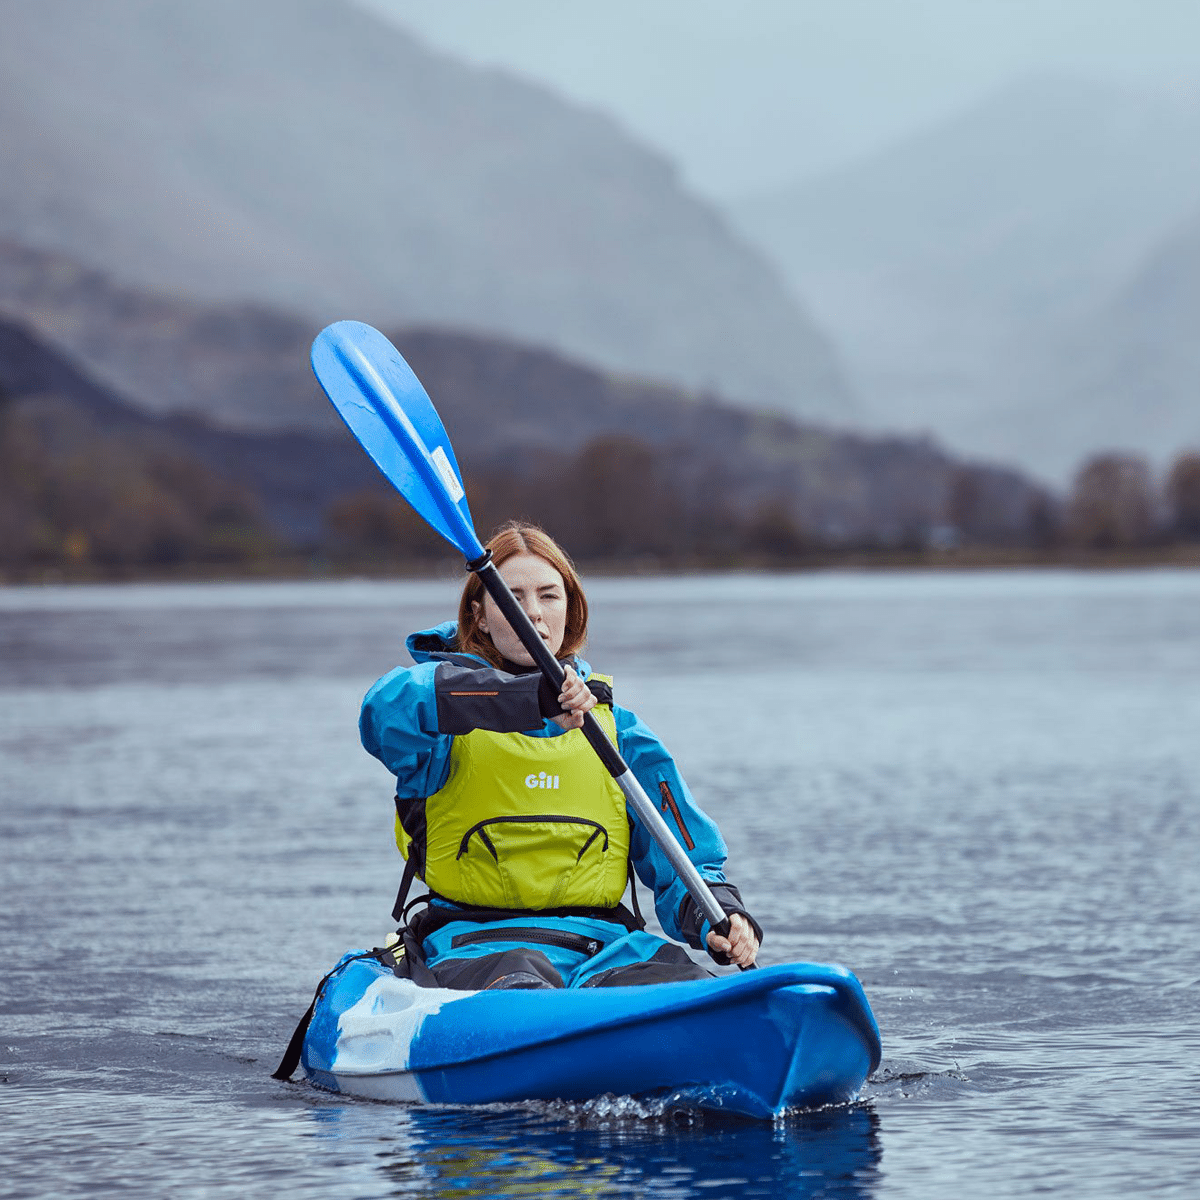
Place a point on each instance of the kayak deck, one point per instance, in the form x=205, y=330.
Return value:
x=793, y=1035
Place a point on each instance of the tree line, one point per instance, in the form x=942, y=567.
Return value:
x=1117, y=503
x=89, y=502
x=72, y=498
x=616, y=501
x=612, y=501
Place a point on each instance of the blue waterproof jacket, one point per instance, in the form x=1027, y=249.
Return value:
x=408, y=723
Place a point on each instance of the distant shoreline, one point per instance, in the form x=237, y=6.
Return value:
x=317, y=568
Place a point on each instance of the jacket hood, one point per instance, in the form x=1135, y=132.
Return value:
x=426, y=643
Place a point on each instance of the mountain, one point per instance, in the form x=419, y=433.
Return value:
x=97, y=448
x=1131, y=369
x=954, y=269
x=304, y=154
x=524, y=421
x=236, y=365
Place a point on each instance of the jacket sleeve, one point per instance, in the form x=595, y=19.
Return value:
x=656, y=771
x=398, y=725
x=409, y=717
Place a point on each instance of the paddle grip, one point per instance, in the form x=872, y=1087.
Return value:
x=634, y=793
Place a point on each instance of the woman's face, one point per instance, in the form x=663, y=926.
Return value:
x=540, y=591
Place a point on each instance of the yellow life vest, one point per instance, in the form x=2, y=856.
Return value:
x=527, y=822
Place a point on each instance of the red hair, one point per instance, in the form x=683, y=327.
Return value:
x=511, y=539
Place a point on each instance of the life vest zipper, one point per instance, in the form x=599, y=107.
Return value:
x=544, y=937
x=479, y=828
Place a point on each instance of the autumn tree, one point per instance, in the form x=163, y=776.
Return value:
x=615, y=500
x=966, y=502
x=1182, y=494
x=533, y=495
x=375, y=523
x=25, y=535
x=118, y=504
x=774, y=530
x=1112, y=503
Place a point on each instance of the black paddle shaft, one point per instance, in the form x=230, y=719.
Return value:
x=550, y=667
x=609, y=755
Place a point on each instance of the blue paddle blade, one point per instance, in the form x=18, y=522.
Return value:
x=389, y=412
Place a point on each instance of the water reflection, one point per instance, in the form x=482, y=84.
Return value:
x=597, y=1152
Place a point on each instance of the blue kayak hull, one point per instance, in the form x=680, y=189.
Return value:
x=797, y=1035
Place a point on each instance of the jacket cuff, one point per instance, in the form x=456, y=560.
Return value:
x=548, y=698
x=485, y=698
x=695, y=926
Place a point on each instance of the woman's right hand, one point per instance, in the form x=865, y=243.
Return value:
x=741, y=946
x=576, y=699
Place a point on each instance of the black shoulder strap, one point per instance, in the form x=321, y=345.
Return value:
x=410, y=870
x=637, y=912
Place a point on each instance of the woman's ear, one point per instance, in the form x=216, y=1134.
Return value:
x=480, y=619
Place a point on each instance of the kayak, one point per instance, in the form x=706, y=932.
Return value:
x=797, y=1035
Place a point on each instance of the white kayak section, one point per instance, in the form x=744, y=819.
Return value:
x=376, y=1034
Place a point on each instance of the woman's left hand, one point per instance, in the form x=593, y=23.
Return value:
x=741, y=945
x=576, y=699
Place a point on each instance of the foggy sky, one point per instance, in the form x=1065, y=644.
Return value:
x=747, y=95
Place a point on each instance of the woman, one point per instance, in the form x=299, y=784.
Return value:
x=507, y=814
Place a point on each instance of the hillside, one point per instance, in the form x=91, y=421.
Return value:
x=529, y=425
x=236, y=365
x=80, y=445
x=302, y=153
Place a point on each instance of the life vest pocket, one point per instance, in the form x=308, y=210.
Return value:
x=534, y=861
x=539, y=937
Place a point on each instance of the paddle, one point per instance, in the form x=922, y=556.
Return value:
x=389, y=412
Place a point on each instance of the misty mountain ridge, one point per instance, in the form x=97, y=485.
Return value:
x=506, y=405
x=961, y=189
x=1132, y=367
x=305, y=154
x=959, y=269
x=239, y=366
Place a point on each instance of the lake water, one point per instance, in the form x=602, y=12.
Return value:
x=981, y=792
